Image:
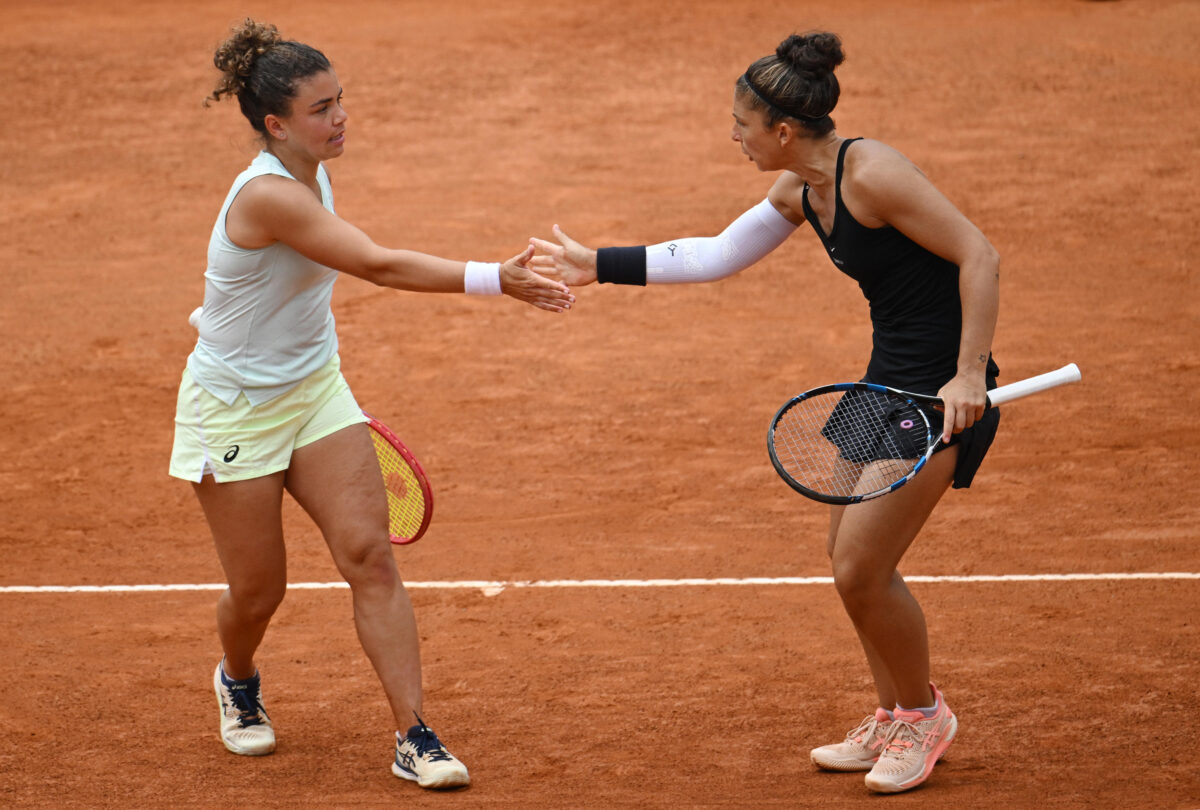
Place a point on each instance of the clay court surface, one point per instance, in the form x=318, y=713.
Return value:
x=623, y=441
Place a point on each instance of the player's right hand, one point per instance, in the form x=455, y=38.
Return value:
x=522, y=283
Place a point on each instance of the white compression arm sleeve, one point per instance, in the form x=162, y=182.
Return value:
x=748, y=238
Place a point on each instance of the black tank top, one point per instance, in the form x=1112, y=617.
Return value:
x=916, y=312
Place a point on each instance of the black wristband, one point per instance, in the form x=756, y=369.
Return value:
x=621, y=265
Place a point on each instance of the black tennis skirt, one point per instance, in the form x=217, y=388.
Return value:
x=897, y=437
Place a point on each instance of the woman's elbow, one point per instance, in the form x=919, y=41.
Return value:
x=374, y=267
x=992, y=257
x=985, y=258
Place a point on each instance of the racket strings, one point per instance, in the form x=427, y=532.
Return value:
x=405, y=498
x=850, y=444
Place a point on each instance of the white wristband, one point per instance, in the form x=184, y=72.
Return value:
x=482, y=278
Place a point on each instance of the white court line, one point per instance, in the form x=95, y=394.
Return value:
x=492, y=587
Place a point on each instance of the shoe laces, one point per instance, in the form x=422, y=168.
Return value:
x=864, y=732
x=245, y=700
x=902, y=736
x=426, y=743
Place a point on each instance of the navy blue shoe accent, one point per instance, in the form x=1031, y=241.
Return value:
x=421, y=758
x=426, y=744
x=244, y=696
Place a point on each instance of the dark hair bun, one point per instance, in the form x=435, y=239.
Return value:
x=235, y=57
x=814, y=53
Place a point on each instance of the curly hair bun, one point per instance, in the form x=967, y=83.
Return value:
x=235, y=56
x=814, y=53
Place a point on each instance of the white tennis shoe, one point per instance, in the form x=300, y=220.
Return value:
x=421, y=758
x=245, y=727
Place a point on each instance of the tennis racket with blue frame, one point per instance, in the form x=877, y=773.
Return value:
x=851, y=442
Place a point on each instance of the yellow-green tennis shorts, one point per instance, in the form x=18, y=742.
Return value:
x=241, y=441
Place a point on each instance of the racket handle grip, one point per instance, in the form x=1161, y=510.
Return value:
x=1042, y=382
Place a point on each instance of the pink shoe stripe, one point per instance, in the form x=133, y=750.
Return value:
x=932, y=758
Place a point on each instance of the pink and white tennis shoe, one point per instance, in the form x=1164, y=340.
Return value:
x=860, y=749
x=913, y=746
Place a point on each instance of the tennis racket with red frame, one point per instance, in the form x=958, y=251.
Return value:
x=410, y=500
x=850, y=442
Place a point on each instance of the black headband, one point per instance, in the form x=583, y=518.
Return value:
x=762, y=96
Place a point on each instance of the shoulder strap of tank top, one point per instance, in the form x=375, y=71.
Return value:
x=807, y=207
x=841, y=163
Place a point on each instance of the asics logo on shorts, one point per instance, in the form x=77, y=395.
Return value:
x=231, y=454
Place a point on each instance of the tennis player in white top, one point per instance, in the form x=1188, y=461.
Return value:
x=263, y=406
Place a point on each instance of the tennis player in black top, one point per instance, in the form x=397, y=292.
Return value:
x=932, y=281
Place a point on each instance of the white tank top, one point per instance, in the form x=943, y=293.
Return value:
x=266, y=323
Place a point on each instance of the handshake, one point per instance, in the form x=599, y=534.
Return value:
x=544, y=272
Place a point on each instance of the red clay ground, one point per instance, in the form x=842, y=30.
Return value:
x=624, y=440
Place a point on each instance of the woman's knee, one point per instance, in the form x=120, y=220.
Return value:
x=858, y=583
x=368, y=564
x=254, y=605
